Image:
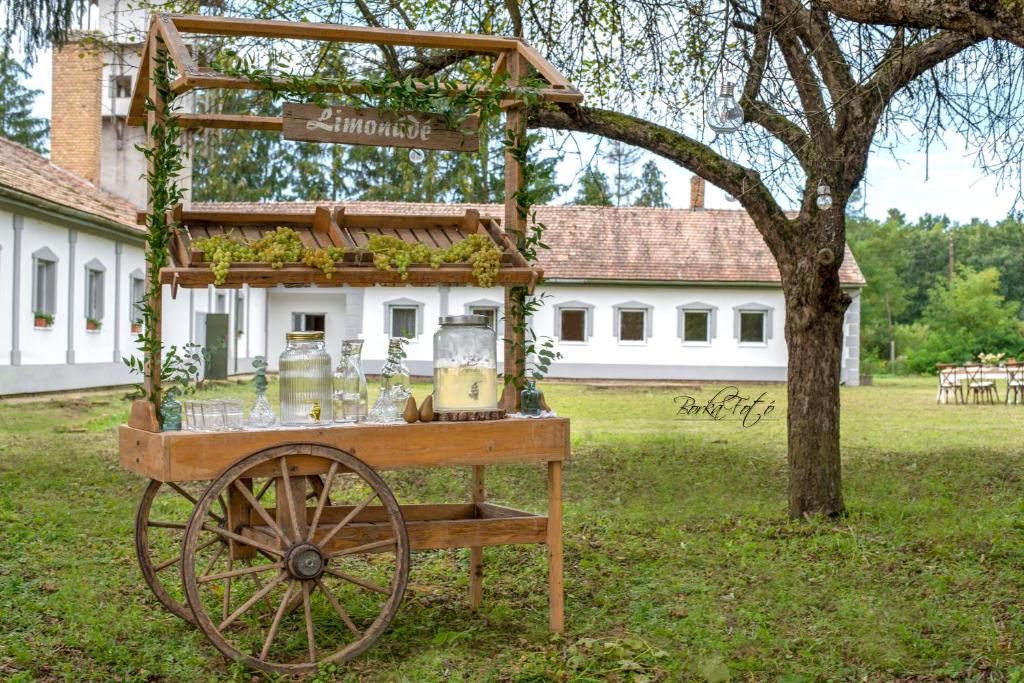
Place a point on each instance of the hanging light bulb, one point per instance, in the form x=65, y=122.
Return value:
x=824, y=200
x=416, y=156
x=725, y=115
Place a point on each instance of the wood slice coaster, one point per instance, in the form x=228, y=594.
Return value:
x=470, y=416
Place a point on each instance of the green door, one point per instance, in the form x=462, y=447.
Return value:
x=217, y=345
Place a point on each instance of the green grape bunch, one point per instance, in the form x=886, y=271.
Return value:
x=274, y=248
x=477, y=250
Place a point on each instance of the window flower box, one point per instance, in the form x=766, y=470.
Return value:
x=93, y=325
x=43, y=320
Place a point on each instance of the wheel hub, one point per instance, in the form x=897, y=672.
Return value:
x=304, y=562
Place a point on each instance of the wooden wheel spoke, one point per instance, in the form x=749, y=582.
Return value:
x=251, y=601
x=165, y=525
x=338, y=608
x=185, y=494
x=322, y=501
x=167, y=563
x=369, y=585
x=226, y=601
x=262, y=511
x=252, y=569
x=277, y=620
x=259, y=585
x=213, y=560
x=243, y=540
x=348, y=518
x=366, y=547
x=306, y=608
x=263, y=489
x=286, y=481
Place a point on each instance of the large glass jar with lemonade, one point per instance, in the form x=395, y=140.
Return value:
x=306, y=381
x=465, y=365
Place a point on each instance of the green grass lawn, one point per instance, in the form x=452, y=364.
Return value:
x=680, y=562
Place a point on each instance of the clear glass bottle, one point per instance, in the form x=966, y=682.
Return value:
x=465, y=365
x=395, y=386
x=261, y=415
x=350, y=390
x=170, y=413
x=306, y=386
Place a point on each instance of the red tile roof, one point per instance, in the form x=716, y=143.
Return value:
x=32, y=174
x=635, y=243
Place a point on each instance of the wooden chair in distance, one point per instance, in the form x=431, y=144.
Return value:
x=949, y=384
x=978, y=386
x=1014, y=383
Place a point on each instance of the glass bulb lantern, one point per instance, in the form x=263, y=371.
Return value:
x=725, y=115
x=824, y=199
x=416, y=156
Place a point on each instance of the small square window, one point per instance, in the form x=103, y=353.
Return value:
x=752, y=327
x=574, y=324
x=122, y=86
x=309, y=322
x=631, y=325
x=489, y=312
x=696, y=326
x=403, y=321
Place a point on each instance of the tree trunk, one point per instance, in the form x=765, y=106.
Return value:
x=815, y=305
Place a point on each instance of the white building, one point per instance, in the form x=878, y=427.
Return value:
x=73, y=254
x=633, y=293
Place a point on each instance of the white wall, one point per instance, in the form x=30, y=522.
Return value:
x=47, y=345
x=6, y=283
x=332, y=302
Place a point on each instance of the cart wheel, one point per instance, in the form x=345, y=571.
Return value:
x=160, y=524
x=159, y=527
x=302, y=585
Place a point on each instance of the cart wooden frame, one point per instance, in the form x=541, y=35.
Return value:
x=270, y=500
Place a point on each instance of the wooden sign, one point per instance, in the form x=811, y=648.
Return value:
x=348, y=125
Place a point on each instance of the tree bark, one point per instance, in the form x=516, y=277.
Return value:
x=815, y=305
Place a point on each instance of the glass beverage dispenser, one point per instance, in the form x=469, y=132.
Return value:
x=306, y=381
x=465, y=365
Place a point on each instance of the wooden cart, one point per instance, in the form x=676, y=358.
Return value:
x=286, y=547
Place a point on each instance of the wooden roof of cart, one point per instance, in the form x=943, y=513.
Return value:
x=169, y=29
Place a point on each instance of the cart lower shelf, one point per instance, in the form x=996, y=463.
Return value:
x=430, y=527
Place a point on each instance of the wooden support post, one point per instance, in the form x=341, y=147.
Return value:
x=476, y=554
x=239, y=515
x=515, y=127
x=556, y=588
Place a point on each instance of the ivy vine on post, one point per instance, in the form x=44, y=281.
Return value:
x=163, y=157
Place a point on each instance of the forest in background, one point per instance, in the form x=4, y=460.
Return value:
x=938, y=291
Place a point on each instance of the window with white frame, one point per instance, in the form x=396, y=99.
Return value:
x=403, y=318
x=309, y=322
x=239, y=313
x=752, y=327
x=752, y=323
x=696, y=323
x=136, y=297
x=632, y=322
x=94, y=274
x=44, y=282
x=574, y=322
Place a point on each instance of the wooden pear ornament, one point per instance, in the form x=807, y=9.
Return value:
x=427, y=409
x=411, y=414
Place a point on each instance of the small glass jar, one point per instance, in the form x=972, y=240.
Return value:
x=529, y=399
x=395, y=387
x=465, y=365
x=306, y=383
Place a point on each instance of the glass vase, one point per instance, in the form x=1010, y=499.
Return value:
x=262, y=415
x=395, y=387
x=529, y=399
x=170, y=413
x=350, y=390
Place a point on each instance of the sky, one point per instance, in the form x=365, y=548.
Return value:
x=948, y=184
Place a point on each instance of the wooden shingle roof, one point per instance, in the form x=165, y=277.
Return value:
x=597, y=243
x=32, y=175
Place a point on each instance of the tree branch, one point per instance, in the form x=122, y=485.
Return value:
x=986, y=19
x=389, y=52
x=743, y=183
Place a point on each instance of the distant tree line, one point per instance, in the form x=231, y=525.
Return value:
x=625, y=187
x=938, y=291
